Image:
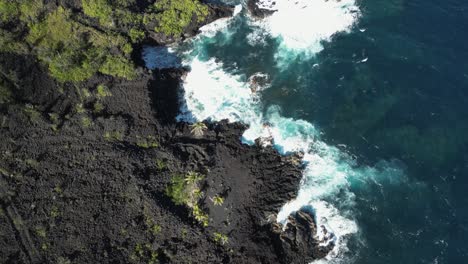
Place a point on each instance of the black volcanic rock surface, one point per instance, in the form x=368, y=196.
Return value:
x=83, y=176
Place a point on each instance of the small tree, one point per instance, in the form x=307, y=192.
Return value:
x=198, y=129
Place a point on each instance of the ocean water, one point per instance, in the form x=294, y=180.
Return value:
x=373, y=92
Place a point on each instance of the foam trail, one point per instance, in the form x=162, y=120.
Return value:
x=300, y=26
x=210, y=92
x=213, y=94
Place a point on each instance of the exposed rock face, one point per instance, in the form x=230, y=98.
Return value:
x=93, y=193
x=83, y=177
x=298, y=241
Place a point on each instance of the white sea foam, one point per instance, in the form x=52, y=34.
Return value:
x=210, y=92
x=213, y=94
x=301, y=25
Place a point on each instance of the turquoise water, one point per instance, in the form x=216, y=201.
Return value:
x=375, y=94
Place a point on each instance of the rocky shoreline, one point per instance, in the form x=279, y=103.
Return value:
x=85, y=169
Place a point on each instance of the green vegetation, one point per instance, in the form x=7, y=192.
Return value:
x=79, y=108
x=54, y=118
x=8, y=10
x=118, y=66
x=74, y=48
x=148, y=142
x=86, y=121
x=136, y=35
x=160, y=165
x=74, y=52
x=98, y=107
x=174, y=16
x=31, y=112
x=220, y=238
x=102, y=91
x=217, y=200
x=200, y=216
x=54, y=212
x=177, y=190
x=99, y=9
x=193, y=177
x=153, y=228
x=186, y=191
x=41, y=232
x=198, y=129
x=144, y=254
x=113, y=136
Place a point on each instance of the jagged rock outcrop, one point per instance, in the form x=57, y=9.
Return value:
x=298, y=241
x=84, y=172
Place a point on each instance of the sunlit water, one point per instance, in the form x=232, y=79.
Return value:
x=374, y=93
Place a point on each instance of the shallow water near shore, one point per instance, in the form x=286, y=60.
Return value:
x=374, y=97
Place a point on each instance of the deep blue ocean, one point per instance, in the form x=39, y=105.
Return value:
x=378, y=102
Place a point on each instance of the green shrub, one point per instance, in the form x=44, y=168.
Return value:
x=86, y=122
x=136, y=35
x=148, y=142
x=99, y=9
x=185, y=191
x=8, y=10
x=161, y=165
x=220, y=238
x=113, y=136
x=176, y=190
x=199, y=215
x=74, y=52
x=102, y=91
x=30, y=10
x=71, y=66
x=118, y=66
x=174, y=16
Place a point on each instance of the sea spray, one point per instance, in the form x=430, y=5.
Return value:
x=300, y=26
x=212, y=92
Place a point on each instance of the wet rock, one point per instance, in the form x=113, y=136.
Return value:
x=298, y=241
x=257, y=11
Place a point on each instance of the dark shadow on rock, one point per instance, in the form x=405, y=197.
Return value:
x=164, y=90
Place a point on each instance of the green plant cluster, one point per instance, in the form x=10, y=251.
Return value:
x=144, y=254
x=185, y=191
x=74, y=48
x=174, y=16
x=113, y=13
x=147, y=142
x=220, y=238
x=70, y=49
x=74, y=52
